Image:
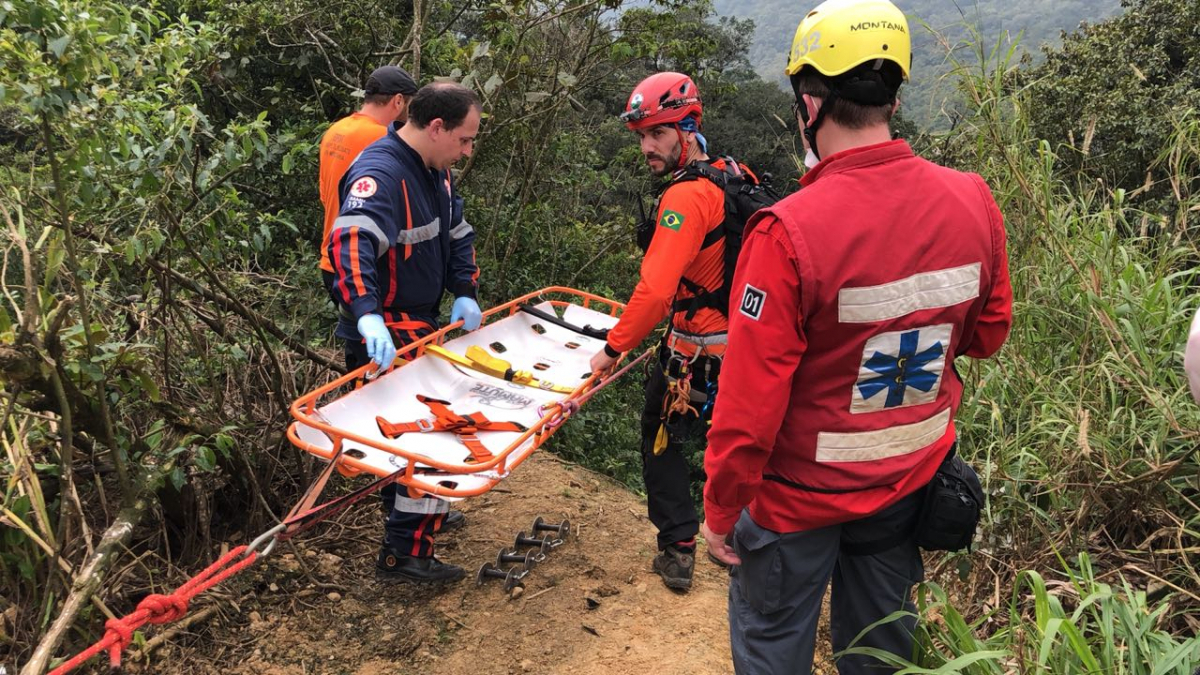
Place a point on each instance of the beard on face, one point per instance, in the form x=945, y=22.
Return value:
x=669, y=162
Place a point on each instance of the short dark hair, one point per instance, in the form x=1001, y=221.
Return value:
x=447, y=101
x=843, y=111
x=380, y=99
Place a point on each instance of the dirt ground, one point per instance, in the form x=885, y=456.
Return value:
x=593, y=606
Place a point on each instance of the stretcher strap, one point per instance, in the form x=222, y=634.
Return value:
x=314, y=490
x=408, y=325
x=302, y=519
x=445, y=419
x=598, y=333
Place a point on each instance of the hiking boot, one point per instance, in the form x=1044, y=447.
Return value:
x=397, y=567
x=675, y=564
x=454, y=520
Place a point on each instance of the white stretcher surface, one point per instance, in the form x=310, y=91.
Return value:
x=552, y=353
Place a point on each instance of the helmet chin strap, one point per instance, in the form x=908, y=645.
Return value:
x=810, y=130
x=683, y=148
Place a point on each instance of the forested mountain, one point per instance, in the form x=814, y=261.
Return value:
x=1041, y=22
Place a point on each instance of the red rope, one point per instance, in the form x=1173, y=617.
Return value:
x=159, y=609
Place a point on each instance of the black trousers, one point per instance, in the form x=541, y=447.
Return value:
x=668, y=476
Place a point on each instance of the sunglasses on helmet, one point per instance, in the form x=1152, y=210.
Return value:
x=642, y=113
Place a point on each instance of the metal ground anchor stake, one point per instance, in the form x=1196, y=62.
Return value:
x=490, y=571
x=526, y=560
x=543, y=545
x=561, y=531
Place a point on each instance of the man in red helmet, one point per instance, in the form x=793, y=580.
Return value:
x=682, y=275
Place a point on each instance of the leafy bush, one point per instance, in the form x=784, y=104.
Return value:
x=1107, y=98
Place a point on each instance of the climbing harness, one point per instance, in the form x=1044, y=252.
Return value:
x=685, y=396
x=677, y=402
x=445, y=419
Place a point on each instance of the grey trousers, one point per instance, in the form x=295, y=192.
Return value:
x=775, y=595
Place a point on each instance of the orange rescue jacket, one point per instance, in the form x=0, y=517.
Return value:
x=340, y=145
x=687, y=212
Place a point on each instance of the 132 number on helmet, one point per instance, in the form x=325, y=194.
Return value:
x=803, y=47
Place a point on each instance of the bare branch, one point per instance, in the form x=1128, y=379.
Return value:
x=84, y=310
x=88, y=581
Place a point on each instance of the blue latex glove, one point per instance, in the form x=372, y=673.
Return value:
x=375, y=333
x=468, y=310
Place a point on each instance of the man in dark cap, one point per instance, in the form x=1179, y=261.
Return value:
x=385, y=101
x=387, y=94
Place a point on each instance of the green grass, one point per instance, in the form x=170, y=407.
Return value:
x=1082, y=429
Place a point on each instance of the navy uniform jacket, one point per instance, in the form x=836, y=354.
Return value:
x=400, y=240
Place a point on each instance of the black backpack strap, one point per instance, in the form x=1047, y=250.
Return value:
x=714, y=235
x=703, y=298
x=720, y=179
x=705, y=170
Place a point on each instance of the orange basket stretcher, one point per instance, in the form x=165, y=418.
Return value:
x=439, y=463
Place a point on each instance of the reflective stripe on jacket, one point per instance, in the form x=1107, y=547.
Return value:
x=851, y=301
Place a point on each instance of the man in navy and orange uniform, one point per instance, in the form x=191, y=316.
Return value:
x=399, y=244
x=680, y=275
x=852, y=299
x=385, y=100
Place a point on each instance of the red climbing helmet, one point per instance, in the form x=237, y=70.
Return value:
x=662, y=98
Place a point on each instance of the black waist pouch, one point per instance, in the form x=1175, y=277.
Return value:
x=953, y=502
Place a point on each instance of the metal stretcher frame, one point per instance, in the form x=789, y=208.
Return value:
x=304, y=410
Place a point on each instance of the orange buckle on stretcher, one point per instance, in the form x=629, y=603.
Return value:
x=445, y=419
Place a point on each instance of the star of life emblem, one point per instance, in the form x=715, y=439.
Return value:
x=363, y=187
x=901, y=369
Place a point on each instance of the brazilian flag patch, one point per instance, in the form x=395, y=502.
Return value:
x=672, y=220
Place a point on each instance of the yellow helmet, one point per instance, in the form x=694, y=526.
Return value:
x=841, y=34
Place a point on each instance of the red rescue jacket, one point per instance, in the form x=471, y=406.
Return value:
x=851, y=301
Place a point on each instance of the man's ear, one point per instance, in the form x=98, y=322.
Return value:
x=436, y=127
x=812, y=106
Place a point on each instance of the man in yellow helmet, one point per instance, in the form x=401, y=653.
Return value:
x=853, y=297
